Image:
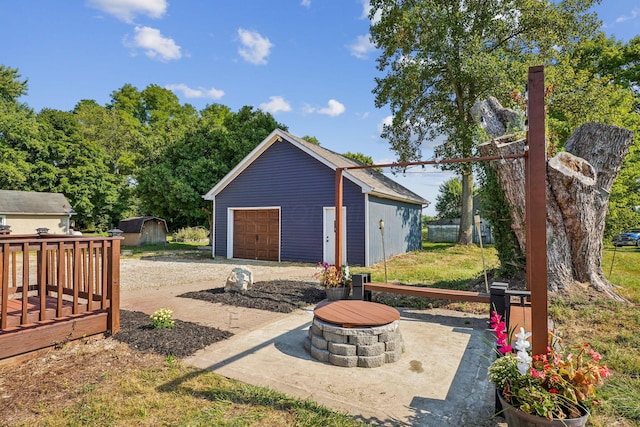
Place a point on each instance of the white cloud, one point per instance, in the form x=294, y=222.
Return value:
x=366, y=9
x=632, y=15
x=305, y=3
x=255, y=48
x=334, y=108
x=275, y=105
x=125, y=10
x=361, y=47
x=155, y=45
x=387, y=121
x=199, y=92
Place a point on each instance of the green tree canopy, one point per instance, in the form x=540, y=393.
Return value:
x=449, y=199
x=173, y=187
x=442, y=57
x=11, y=87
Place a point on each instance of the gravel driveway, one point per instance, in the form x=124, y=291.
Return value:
x=174, y=270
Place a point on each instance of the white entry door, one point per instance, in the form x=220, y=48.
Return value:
x=329, y=252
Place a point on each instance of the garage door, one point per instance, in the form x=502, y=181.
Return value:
x=256, y=234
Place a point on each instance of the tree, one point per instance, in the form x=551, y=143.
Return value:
x=11, y=88
x=449, y=199
x=173, y=187
x=362, y=158
x=64, y=162
x=441, y=57
x=311, y=139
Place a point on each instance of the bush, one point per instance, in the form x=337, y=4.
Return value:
x=162, y=319
x=191, y=234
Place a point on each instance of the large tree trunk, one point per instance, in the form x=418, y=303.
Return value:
x=465, y=233
x=578, y=185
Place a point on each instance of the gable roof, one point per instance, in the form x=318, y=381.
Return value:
x=34, y=203
x=135, y=224
x=371, y=181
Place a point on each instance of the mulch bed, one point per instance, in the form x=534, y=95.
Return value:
x=278, y=296
x=186, y=338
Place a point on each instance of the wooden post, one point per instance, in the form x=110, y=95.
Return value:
x=338, y=216
x=536, y=211
x=113, y=319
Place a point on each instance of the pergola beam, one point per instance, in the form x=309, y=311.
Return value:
x=536, y=205
x=536, y=210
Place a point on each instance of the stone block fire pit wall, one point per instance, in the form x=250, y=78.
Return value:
x=364, y=347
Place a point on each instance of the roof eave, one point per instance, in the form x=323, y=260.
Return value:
x=381, y=195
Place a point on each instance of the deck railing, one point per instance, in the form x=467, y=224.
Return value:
x=45, y=277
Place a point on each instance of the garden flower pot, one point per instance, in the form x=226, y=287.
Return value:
x=335, y=293
x=517, y=418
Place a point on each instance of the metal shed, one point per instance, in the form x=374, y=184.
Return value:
x=143, y=230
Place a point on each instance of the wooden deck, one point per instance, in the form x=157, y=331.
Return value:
x=355, y=313
x=55, y=288
x=426, y=292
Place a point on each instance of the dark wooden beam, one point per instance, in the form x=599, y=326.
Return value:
x=536, y=210
x=338, y=218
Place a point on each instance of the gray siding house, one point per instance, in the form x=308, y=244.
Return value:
x=278, y=204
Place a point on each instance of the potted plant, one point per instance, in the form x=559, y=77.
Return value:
x=557, y=388
x=337, y=281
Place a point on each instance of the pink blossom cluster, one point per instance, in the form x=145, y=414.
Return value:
x=502, y=337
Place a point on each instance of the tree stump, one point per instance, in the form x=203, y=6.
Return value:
x=578, y=184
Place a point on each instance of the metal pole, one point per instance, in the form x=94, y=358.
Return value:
x=338, y=221
x=615, y=248
x=476, y=220
x=384, y=255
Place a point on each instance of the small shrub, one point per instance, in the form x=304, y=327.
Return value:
x=191, y=234
x=162, y=319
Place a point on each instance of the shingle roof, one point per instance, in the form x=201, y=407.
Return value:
x=134, y=225
x=373, y=182
x=31, y=202
x=378, y=182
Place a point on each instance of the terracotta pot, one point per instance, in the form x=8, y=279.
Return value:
x=517, y=418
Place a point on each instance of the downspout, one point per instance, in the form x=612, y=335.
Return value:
x=212, y=231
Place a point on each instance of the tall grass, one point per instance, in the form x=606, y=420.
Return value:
x=613, y=329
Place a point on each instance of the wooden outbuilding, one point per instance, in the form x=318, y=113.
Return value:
x=143, y=230
x=278, y=204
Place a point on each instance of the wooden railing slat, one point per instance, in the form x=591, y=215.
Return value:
x=4, y=264
x=43, y=265
x=61, y=276
x=77, y=283
x=25, y=281
x=90, y=276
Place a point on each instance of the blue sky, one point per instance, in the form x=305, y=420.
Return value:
x=308, y=62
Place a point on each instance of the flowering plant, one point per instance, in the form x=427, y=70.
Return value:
x=333, y=277
x=559, y=384
x=162, y=319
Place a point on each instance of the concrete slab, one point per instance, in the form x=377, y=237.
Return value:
x=441, y=379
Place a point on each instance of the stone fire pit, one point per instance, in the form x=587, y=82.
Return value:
x=352, y=333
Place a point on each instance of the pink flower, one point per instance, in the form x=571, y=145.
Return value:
x=504, y=349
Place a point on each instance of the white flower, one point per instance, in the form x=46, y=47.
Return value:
x=522, y=343
x=524, y=361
